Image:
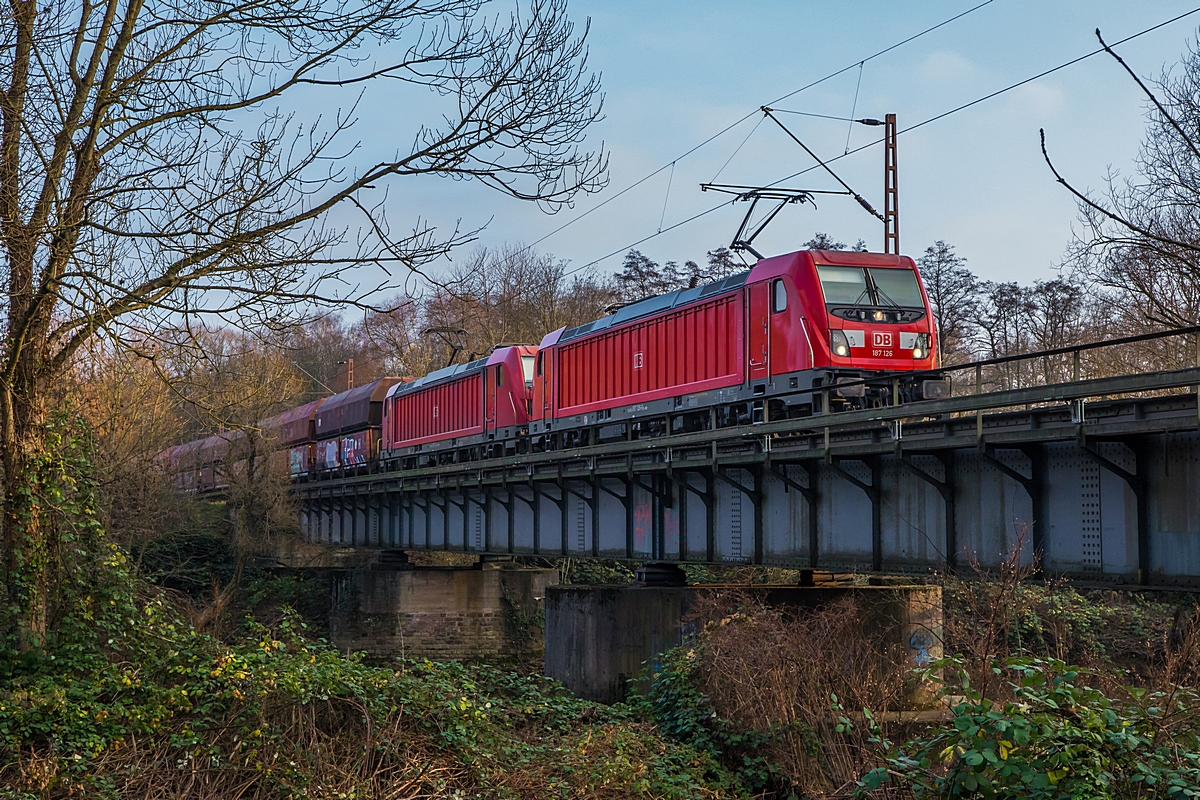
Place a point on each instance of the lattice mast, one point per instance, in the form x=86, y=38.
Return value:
x=891, y=211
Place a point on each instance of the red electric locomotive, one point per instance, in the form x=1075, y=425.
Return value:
x=463, y=412
x=759, y=345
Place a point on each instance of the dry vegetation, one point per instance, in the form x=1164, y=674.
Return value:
x=764, y=668
x=800, y=701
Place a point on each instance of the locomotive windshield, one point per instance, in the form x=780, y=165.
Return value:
x=527, y=367
x=843, y=284
x=872, y=286
x=897, y=287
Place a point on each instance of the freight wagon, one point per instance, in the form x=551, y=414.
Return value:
x=347, y=426
x=295, y=433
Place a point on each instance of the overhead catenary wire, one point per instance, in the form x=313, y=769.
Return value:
x=670, y=179
x=739, y=121
x=994, y=94
x=811, y=114
x=735, y=152
x=853, y=108
x=920, y=124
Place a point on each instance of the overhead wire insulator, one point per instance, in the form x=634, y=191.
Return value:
x=862, y=201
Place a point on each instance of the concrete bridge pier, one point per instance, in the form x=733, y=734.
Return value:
x=493, y=609
x=598, y=638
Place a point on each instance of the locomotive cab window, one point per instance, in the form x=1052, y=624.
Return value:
x=870, y=286
x=499, y=374
x=527, y=368
x=778, y=296
x=844, y=284
x=897, y=287
x=541, y=364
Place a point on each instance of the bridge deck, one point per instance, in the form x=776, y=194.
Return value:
x=1099, y=477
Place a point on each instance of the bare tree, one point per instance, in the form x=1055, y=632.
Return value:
x=640, y=277
x=721, y=264
x=150, y=172
x=1003, y=319
x=823, y=241
x=952, y=290
x=509, y=295
x=1140, y=237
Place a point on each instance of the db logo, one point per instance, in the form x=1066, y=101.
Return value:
x=637, y=360
x=881, y=339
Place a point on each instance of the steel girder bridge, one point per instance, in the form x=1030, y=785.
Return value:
x=1096, y=479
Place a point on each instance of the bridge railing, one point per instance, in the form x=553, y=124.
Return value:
x=1142, y=354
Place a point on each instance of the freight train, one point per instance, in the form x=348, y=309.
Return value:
x=776, y=341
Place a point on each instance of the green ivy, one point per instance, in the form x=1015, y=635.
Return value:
x=684, y=713
x=1056, y=738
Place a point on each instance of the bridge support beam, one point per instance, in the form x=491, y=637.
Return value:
x=1034, y=486
x=461, y=505
x=755, y=495
x=1137, y=482
x=809, y=493
x=872, y=491
x=946, y=489
x=660, y=501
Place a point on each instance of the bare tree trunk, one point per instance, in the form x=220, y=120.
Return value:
x=27, y=540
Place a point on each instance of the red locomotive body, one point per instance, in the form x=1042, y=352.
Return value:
x=754, y=346
x=467, y=406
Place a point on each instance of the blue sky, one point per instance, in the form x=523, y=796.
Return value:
x=674, y=73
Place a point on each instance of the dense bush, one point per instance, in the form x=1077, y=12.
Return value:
x=1092, y=627
x=128, y=699
x=762, y=690
x=804, y=706
x=1057, y=737
x=167, y=712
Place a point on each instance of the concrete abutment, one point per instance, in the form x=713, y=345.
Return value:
x=440, y=613
x=600, y=637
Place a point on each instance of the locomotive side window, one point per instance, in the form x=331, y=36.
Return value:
x=541, y=364
x=499, y=374
x=778, y=296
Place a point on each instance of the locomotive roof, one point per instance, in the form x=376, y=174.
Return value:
x=440, y=376
x=653, y=305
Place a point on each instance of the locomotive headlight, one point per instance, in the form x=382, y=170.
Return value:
x=921, y=349
x=878, y=316
x=839, y=343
